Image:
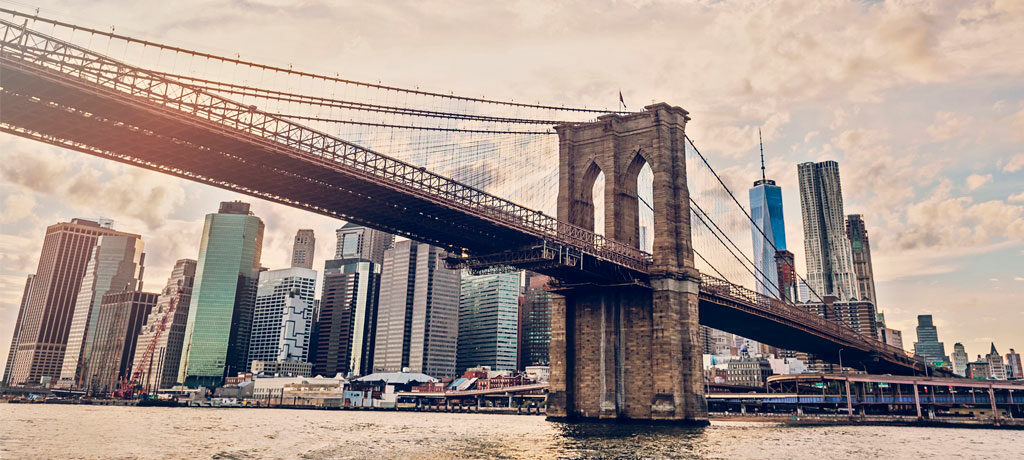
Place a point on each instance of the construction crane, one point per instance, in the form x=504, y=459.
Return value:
x=128, y=386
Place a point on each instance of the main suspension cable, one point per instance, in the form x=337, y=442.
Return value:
x=256, y=65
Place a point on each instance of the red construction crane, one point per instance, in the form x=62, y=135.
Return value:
x=128, y=387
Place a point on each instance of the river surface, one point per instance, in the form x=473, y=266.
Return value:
x=64, y=431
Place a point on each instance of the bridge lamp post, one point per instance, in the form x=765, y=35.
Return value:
x=841, y=369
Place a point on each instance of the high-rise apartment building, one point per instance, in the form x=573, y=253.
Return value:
x=488, y=321
x=358, y=242
x=116, y=264
x=858, y=315
x=347, y=324
x=860, y=248
x=303, y=249
x=1013, y=363
x=17, y=330
x=826, y=246
x=221, y=308
x=418, y=315
x=768, y=232
x=959, y=359
x=928, y=344
x=534, y=321
x=165, y=330
x=283, y=317
x=121, y=316
x=46, y=320
x=996, y=368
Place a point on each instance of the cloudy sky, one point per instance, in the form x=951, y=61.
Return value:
x=922, y=105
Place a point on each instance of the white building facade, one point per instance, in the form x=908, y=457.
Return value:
x=283, y=316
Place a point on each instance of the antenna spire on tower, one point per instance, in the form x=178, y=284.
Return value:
x=761, y=142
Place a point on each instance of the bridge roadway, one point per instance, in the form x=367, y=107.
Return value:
x=60, y=94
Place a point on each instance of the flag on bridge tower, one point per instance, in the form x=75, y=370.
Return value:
x=622, y=101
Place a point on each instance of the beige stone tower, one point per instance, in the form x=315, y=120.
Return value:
x=629, y=351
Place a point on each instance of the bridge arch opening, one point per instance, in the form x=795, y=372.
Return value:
x=640, y=183
x=592, y=206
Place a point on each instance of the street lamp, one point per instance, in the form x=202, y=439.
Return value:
x=841, y=370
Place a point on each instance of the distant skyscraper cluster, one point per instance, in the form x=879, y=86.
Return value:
x=85, y=323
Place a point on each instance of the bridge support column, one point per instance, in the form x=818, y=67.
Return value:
x=627, y=353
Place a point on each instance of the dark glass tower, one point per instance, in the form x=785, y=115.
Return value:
x=928, y=344
x=221, y=310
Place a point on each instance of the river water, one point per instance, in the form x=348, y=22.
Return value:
x=63, y=431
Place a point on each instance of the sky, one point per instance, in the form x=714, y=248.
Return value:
x=921, y=103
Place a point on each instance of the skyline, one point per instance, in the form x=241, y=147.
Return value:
x=956, y=200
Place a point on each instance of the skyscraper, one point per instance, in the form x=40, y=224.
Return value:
x=959, y=359
x=17, y=330
x=1014, y=364
x=160, y=369
x=928, y=344
x=826, y=246
x=303, y=249
x=46, y=321
x=768, y=232
x=418, y=315
x=116, y=264
x=534, y=321
x=347, y=327
x=220, y=313
x=283, y=317
x=358, y=242
x=488, y=321
x=861, y=251
x=121, y=316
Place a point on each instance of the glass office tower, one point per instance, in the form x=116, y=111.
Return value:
x=488, y=321
x=769, y=229
x=221, y=309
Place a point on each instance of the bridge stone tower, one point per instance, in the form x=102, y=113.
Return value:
x=629, y=351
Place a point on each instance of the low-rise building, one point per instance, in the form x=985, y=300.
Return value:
x=272, y=389
x=282, y=368
x=978, y=369
x=749, y=372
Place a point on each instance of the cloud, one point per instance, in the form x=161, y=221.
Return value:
x=115, y=189
x=1016, y=198
x=977, y=180
x=17, y=206
x=947, y=125
x=1016, y=163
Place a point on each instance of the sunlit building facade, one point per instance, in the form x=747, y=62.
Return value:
x=116, y=264
x=46, y=317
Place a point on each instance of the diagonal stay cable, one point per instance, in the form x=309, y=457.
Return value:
x=720, y=181
x=752, y=264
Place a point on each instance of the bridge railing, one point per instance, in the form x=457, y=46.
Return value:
x=27, y=48
x=794, y=313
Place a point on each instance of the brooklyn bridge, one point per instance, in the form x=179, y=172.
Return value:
x=641, y=246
